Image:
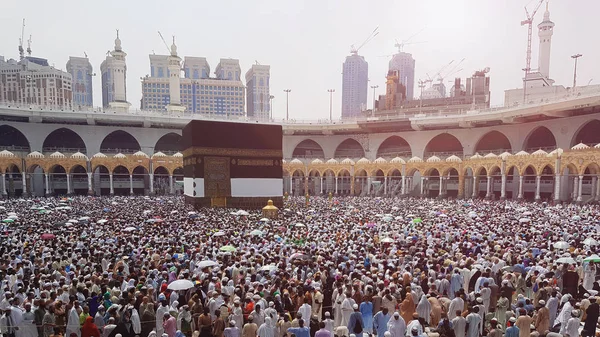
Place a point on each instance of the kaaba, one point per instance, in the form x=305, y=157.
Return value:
x=230, y=164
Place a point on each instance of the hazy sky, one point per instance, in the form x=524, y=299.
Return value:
x=306, y=41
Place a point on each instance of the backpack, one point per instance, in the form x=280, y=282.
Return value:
x=358, y=327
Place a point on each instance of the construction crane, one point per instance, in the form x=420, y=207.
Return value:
x=529, y=23
x=21, y=50
x=29, y=46
x=450, y=71
x=400, y=45
x=165, y=42
x=354, y=50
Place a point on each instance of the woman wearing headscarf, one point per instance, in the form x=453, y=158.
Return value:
x=89, y=329
x=424, y=309
x=407, y=308
x=266, y=329
x=185, y=321
x=147, y=315
x=436, y=311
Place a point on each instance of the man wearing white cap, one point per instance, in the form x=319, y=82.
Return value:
x=459, y=325
x=512, y=330
x=572, y=327
x=305, y=309
x=542, y=318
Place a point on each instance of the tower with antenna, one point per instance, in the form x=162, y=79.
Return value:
x=114, y=75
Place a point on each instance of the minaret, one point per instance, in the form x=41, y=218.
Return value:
x=545, y=31
x=119, y=71
x=174, y=81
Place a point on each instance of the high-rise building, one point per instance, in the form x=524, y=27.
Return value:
x=114, y=79
x=81, y=71
x=404, y=64
x=33, y=81
x=257, y=91
x=198, y=92
x=355, y=81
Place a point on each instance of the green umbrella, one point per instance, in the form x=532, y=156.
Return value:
x=592, y=258
x=43, y=211
x=228, y=248
x=8, y=220
x=417, y=220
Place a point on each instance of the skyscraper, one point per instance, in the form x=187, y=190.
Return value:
x=114, y=79
x=199, y=92
x=404, y=64
x=81, y=71
x=257, y=91
x=355, y=81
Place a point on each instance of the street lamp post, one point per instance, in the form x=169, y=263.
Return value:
x=287, y=103
x=271, y=105
x=374, y=87
x=330, y=91
x=576, y=56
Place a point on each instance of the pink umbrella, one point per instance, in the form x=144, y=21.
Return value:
x=48, y=236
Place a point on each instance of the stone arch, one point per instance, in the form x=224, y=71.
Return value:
x=308, y=148
x=493, y=141
x=64, y=140
x=570, y=169
x=57, y=175
x=344, y=181
x=588, y=133
x=79, y=179
x=529, y=171
x=119, y=141
x=13, y=140
x=540, y=138
x=141, y=179
x=161, y=171
x=443, y=145
x=349, y=148
x=394, y=146
x=169, y=143
x=481, y=171
x=120, y=170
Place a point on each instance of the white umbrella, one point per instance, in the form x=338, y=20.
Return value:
x=84, y=218
x=524, y=220
x=12, y=214
x=206, y=264
x=264, y=220
x=14, y=217
x=219, y=233
x=73, y=221
x=102, y=221
x=443, y=215
x=180, y=285
x=590, y=242
x=561, y=245
x=576, y=218
x=191, y=213
x=387, y=240
x=174, y=212
x=269, y=267
x=395, y=208
x=130, y=229
x=568, y=260
x=299, y=224
x=242, y=213
x=527, y=213
x=256, y=232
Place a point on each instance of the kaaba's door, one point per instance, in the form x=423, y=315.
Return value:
x=217, y=181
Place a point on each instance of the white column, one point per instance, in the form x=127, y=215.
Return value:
x=24, y=183
x=488, y=193
x=321, y=184
x=475, y=192
x=538, y=182
x=422, y=185
x=112, y=189
x=520, y=196
x=580, y=188
x=597, y=189
x=385, y=183
x=441, y=187
x=171, y=187
x=68, y=183
x=336, y=185
x=4, y=184
x=47, y=184
x=151, y=183
x=131, y=184
x=403, y=188
x=593, y=192
x=503, y=187
x=89, y=178
x=557, y=187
